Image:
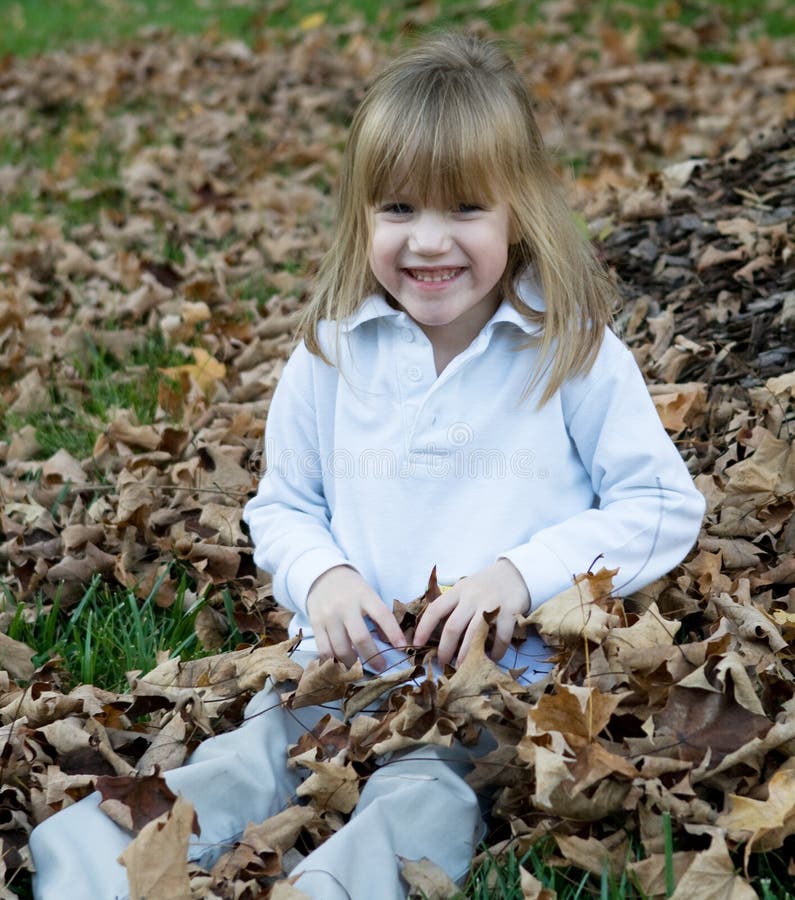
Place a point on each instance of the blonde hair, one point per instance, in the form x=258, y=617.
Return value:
x=453, y=117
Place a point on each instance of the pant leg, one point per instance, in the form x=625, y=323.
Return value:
x=231, y=780
x=416, y=805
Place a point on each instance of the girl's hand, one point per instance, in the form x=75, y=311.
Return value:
x=337, y=603
x=499, y=585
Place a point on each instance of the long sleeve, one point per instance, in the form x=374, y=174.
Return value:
x=289, y=517
x=648, y=511
x=380, y=464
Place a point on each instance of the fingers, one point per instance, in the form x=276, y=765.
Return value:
x=388, y=624
x=433, y=615
x=459, y=612
x=323, y=644
x=349, y=638
x=503, y=632
x=451, y=640
x=458, y=625
x=362, y=640
x=340, y=643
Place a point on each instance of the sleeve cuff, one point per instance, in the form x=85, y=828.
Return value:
x=307, y=569
x=544, y=574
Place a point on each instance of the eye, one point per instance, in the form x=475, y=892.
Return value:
x=396, y=209
x=468, y=208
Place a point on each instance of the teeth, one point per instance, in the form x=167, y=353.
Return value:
x=436, y=275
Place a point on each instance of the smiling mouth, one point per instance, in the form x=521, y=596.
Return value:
x=434, y=275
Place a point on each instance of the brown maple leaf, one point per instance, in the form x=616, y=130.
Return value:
x=133, y=801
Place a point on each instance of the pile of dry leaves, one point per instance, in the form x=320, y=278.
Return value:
x=678, y=702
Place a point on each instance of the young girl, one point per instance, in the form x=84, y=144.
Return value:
x=457, y=401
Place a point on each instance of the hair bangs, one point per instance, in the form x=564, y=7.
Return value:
x=451, y=122
x=447, y=151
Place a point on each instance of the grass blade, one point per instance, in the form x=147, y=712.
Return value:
x=668, y=837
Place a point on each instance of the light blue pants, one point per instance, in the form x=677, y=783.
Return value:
x=417, y=805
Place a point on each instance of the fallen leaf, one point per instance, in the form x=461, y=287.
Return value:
x=426, y=880
x=16, y=658
x=156, y=861
x=575, y=614
x=711, y=876
x=133, y=801
x=322, y=682
x=331, y=785
x=765, y=823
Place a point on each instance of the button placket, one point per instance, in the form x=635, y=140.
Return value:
x=432, y=404
x=412, y=357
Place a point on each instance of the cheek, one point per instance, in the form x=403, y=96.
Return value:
x=374, y=259
x=382, y=253
x=498, y=253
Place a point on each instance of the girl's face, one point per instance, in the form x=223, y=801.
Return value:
x=442, y=265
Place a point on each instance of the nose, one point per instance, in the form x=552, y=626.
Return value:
x=430, y=233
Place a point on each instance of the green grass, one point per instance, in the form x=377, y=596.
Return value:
x=57, y=151
x=500, y=879
x=33, y=26
x=111, y=632
x=78, y=411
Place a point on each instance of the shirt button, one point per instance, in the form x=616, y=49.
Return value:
x=407, y=334
x=414, y=373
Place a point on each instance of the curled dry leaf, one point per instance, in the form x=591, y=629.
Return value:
x=532, y=889
x=16, y=658
x=702, y=254
x=359, y=696
x=156, y=861
x=764, y=823
x=650, y=873
x=577, y=613
x=750, y=623
x=711, y=876
x=322, y=682
x=426, y=880
x=591, y=854
x=287, y=890
x=331, y=786
x=133, y=801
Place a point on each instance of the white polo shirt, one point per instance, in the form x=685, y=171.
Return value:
x=381, y=464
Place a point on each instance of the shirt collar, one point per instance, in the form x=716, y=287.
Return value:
x=375, y=306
